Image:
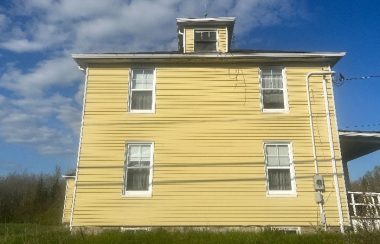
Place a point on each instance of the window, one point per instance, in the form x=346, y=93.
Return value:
x=273, y=93
x=141, y=97
x=138, y=169
x=204, y=41
x=279, y=168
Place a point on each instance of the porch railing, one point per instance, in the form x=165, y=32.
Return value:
x=364, y=210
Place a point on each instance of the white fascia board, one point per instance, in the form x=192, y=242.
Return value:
x=83, y=60
x=208, y=55
x=359, y=134
x=218, y=19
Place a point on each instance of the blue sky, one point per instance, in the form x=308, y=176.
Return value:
x=41, y=87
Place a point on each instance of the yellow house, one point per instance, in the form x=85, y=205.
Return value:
x=209, y=137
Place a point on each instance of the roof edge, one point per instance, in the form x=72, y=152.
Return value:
x=207, y=55
x=359, y=133
x=216, y=19
x=330, y=57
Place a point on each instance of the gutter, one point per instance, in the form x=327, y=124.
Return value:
x=359, y=133
x=330, y=58
x=208, y=55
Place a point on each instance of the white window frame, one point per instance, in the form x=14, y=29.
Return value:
x=207, y=29
x=284, y=89
x=130, y=91
x=285, y=193
x=147, y=193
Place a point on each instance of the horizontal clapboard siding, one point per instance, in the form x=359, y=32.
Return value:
x=189, y=40
x=208, y=131
x=222, y=40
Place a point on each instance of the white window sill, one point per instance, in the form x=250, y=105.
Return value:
x=136, y=195
x=282, y=194
x=142, y=111
x=277, y=111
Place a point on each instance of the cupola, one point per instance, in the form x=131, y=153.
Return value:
x=205, y=35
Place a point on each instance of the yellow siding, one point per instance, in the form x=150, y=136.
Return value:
x=208, y=131
x=68, y=200
x=189, y=40
x=222, y=40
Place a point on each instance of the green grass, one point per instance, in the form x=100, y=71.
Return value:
x=31, y=233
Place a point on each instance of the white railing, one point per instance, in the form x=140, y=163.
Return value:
x=364, y=210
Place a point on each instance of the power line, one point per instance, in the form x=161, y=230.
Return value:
x=363, y=125
x=339, y=79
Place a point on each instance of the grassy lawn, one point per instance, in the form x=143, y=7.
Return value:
x=31, y=233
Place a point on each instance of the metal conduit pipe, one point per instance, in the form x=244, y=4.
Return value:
x=332, y=152
x=335, y=176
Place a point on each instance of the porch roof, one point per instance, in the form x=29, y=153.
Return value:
x=355, y=144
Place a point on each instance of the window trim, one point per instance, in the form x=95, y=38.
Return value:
x=149, y=192
x=208, y=29
x=284, y=88
x=142, y=111
x=281, y=193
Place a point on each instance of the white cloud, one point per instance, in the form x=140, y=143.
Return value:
x=2, y=99
x=21, y=45
x=35, y=110
x=119, y=25
x=48, y=124
x=4, y=21
x=54, y=72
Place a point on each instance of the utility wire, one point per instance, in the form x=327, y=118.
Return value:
x=339, y=81
x=364, y=125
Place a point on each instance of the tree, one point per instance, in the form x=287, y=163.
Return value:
x=370, y=182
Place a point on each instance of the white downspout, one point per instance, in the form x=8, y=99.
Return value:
x=311, y=122
x=332, y=152
x=337, y=192
x=183, y=39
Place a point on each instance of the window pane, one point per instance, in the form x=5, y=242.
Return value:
x=279, y=179
x=141, y=100
x=271, y=150
x=133, y=163
x=142, y=79
x=284, y=161
x=134, y=151
x=145, y=162
x=266, y=82
x=205, y=36
x=138, y=179
x=272, y=161
x=205, y=47
x=277, y=80
x=273, y=99
x=145, y=151
x=283, y=150
x=271, y=78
